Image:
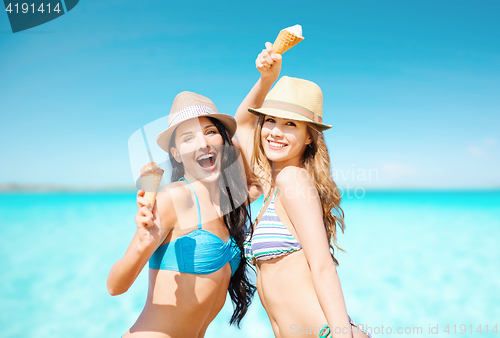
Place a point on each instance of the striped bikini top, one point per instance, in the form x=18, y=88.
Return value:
x=271, y=239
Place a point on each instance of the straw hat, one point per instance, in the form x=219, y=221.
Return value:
x=294, y=99
x=186, y=106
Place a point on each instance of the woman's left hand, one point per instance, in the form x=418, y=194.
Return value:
x=149, y=227
x=268, y=63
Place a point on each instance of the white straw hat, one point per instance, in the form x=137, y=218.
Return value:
x=186, y=106
x=294, y=99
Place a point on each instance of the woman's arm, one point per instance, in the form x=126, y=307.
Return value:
x=299, y=197
x=269, y=66
x=152, y=229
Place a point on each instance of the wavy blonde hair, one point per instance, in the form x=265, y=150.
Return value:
x=316, y=161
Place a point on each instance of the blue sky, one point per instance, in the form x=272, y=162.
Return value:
x=411, y=87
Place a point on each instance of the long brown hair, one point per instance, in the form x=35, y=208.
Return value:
x=233, y=204
x=316, y=161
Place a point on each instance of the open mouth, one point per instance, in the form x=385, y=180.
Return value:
x=207, y=161
x=276, y=145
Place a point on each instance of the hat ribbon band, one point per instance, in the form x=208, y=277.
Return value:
x=189, y=112
x=293, y=108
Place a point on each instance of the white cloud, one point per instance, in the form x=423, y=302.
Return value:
x=475, y=151
x=490, y=141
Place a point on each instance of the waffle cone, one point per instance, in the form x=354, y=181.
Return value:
x=285, y=41
x=150, y=183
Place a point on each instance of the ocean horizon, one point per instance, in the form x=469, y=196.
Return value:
x=422, y=261
x=54, y=188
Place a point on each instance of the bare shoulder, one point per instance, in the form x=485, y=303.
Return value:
x=176, y=192
x=293, y=177
x=295, y=185
x=172, y=199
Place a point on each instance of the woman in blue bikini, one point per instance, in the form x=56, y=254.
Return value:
x=294, y=236
x=194, y=236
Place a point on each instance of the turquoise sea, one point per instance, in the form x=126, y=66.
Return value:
x=413, y=260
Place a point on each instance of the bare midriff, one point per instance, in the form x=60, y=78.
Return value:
x=181, y=304
x=289, y=298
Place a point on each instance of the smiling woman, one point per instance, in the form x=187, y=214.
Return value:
x=193, y=238
x=196, y=146
x=293, y=239
x=283, y=140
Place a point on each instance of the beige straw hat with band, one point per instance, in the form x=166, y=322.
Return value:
x=294, y=99
x=186, y=106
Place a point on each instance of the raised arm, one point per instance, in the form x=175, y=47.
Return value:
x=269, y=66
x=299, y=197
x=152, y=229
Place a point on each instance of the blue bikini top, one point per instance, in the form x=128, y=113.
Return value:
x=198, y=252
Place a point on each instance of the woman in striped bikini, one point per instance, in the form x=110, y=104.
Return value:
x=291, y=242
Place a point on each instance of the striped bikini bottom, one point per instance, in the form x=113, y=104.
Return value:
x=326, y=333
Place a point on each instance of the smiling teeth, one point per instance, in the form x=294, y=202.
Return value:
x=277, y=145
x=205, y=157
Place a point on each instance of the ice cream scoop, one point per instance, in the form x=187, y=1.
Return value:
x=297, y=30
x=287, y=38
x=150, y=181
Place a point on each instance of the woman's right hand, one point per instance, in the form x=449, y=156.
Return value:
x=149, y=235
x=149, y=228
x=268, y=63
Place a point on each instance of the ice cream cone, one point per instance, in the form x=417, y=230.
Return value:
x=286, y=39
x=150, y=181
